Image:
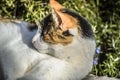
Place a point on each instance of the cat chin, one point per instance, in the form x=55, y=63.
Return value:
x=39, y=44
x=41, y=47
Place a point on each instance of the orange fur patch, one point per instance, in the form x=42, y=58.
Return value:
x=54, y=4
x=67, y=20
x=56, y=37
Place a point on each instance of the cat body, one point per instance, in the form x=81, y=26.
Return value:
x=17, y=54
x=61, y=48
x=13, y=50
x=67, y=37
x=19, y=59
x=65, y=43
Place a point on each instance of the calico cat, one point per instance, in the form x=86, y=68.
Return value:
x=65, y=42
x=68, y=38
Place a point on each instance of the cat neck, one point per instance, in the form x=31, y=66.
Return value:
x=80, y=49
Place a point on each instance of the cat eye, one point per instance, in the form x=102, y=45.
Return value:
x=62, y=10
x=67, y=33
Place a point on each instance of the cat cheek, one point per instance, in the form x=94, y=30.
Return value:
x=41, y=46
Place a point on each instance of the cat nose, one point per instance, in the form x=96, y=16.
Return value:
x=35, y=38
x=33, y=41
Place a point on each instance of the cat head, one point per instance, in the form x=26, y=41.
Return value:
x=61, y=29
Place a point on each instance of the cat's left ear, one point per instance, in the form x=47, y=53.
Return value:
x=56, y=18
x=62, y=19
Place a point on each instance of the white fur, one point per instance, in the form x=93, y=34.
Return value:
x=20, y=61
x=77, y=58
x=17, y=55
x=73, y=31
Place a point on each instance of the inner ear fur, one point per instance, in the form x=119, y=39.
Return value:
x=66, y=21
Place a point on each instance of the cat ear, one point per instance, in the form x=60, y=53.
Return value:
x=54, y=4
x=67, y=21
x=56, y=18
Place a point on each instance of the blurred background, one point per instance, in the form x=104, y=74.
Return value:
x=104, y=16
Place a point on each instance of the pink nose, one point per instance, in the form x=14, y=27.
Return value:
x=33, y=41
x=35, y=38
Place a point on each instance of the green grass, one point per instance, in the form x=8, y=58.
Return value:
x=103, y=15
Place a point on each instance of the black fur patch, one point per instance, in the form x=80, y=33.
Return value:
x=46, y=24
x=87, y=31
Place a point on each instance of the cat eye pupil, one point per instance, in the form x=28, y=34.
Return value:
x=66, y=33
x=63, y=10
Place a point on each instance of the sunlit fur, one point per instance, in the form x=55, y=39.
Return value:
x=66, y=59
x=77, y=58
x=15, y=40
x=20, y=61
x=58, y=58
x=74, y=52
